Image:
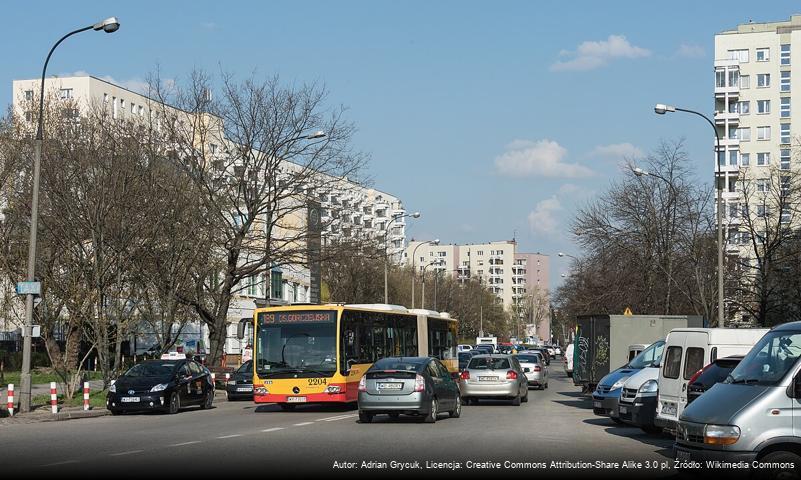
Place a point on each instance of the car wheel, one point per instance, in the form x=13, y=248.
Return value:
x=617, y=420
x=207, y=401
x=365, y=417
x=457, y=410
x=651, y=429
x=287, y=407
x=516, y=401
x=175, y=404
x=779, y=457
x=525, y=397
x=546, y=384
x=433, y=412
x=114, y=411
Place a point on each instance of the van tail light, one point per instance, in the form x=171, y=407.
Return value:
x=537, y=368
x=419, y=383
x=363, y=384
x=511, y=375
x=698, y=374
x=465, y=375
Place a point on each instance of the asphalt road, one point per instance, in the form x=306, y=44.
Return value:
x=238, y=438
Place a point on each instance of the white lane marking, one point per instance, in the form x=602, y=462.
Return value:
x=66, y=462
x=275, y=429
x=302, y=424
x=184, y=443
x=339, y=417
x=131, y=452
x=231, y=436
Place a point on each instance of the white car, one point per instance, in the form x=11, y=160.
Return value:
x=557, y=350
x=465, y=348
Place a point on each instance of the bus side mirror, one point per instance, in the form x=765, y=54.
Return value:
x=240, y=329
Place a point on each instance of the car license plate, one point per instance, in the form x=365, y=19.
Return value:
x=244, y=389
x=129, y=399
x=623, y=409
x=683, y=455
x=487, y=379
x=668, y=409
x=295, y=399
x=389, y=386
x=597, y=405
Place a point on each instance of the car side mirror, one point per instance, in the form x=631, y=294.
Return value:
x=240, y=328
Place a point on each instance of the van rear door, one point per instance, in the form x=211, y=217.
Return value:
x=674, y=375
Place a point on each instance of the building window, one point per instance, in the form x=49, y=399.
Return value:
x=141, y=111
x=763, y=80
x=720, y=78
x=739, y=55
x=29, y=95
x=762, y=54
x=784, y=159
x=743, y=108
x=763, y=106
x=762, y=211
x=734, y=78
x=785, y=81
x=65, y=93
x=734, y=210
x=763, y=133
x=732, y=157
x=761, y=185
x=745, y=82
x=785, y=133
x=763, y=158
x=784, y=57
x=785, y=107
x=743, y=134
x=114, y=107
x=784, y=184
x=745, y=159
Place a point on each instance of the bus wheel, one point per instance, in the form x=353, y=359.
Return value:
x=287, y=407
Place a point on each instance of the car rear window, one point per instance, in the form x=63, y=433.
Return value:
x=529, y=358
x=672, y=366
x=716, y=373
x=398, y=364
x=694, y=362
x=489, y=363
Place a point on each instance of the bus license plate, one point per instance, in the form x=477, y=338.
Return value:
x=390, y=386
x=129, y=399
x=295, y=399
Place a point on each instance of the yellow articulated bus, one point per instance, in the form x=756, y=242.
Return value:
x=318, y=353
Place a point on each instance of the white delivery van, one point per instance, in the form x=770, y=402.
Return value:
x=569, y=360
x=688, y=350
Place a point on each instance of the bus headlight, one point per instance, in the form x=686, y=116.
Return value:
x=333, y=389
x=721, y=434
x=260, y=391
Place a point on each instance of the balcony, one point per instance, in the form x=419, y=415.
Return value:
x=729, y=169
x=732, y=143
x=723, y=117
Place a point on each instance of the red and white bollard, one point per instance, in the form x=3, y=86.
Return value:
x=10, y=399
x=86, y=395
x=213, y=379
x=53, y=398
x=227, y=377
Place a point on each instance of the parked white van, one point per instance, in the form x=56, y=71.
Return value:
x=568, y=357
x=688, y=350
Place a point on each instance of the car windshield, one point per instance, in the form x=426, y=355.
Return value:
x=296, y=342
x=649, y=357
x=246, y=368
x=528, y=358
x=151, y=369
x=398, y=364
x=488, y=363
x=770, y=359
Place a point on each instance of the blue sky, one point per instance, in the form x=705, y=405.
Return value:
x=493, y=119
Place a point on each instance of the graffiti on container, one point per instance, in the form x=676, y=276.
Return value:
x=601, y=355
x=584, y=350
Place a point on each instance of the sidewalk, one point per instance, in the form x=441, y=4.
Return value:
x=44, y=389
x=43, y=414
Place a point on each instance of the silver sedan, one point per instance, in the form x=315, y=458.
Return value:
x=535, y=369
x=494, y=376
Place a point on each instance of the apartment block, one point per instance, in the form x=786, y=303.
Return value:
x=348, y=208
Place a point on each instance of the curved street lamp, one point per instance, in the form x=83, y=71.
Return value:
x=386, y=247
x=414, y=253
x=108, y=25
x=661, y=109
x=433, y=263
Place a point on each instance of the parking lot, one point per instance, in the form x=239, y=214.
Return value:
x=556, y=425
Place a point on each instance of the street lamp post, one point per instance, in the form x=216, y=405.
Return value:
x=386, y=247
x=414, y=253
x=434, y=263
x=108, y=25
x=661, y=109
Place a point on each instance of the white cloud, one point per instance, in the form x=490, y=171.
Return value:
x=617, y=151
x=542, y=158
x=569, y=189
x=543, y=219
x=691, y=51
x=590, y=55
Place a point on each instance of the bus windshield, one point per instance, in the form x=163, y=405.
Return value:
x=296, y=344
x=769, y=360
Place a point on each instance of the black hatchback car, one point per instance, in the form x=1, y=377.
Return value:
x=420, y=386
x=713, y=373
x=240, y=385
x=164, y=385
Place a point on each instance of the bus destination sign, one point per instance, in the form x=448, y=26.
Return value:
x=270, y=318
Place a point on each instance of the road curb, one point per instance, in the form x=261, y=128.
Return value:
x=21, y=419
